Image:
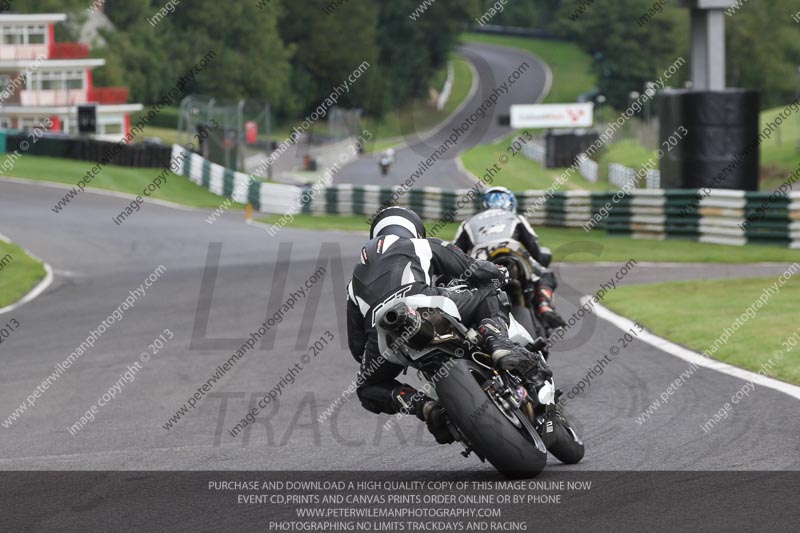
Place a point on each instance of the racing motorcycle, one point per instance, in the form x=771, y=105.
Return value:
x=509, y=417
x=522, y=287
x=384, y=162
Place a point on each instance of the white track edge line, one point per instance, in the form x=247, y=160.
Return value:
x=693, y=357
x=37, y=290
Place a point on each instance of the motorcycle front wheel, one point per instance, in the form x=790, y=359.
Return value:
x=500, y=433
x=567, y=446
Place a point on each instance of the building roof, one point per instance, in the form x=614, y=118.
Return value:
x=50, y=64
x=33, y=110
x=43, y=18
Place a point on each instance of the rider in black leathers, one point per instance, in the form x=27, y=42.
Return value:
x=398, y=259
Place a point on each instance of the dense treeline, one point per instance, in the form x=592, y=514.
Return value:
x=293, y=53
x=633, y=41
x=287, y=52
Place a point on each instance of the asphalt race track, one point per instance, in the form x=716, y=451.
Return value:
x=493, y=65
x=211, y=287
x=96, y=264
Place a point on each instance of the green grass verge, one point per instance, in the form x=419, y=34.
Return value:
x=520, y=173
x=578, y=246
x=779, y=154
x=19, y=273
x=121, y=179
x=696, y=313
x=571, y=66
x=627, y=152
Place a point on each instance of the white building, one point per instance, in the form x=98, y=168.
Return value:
x=41, y=78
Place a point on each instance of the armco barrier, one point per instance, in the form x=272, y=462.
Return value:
x=719, y=217
x=264, y=197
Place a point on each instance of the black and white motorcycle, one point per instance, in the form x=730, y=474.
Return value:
x=506, y=417
x=521, y=289
x=386, y=160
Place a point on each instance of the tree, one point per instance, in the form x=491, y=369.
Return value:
x=626, y=53
x=250, y=58
x=327, y=48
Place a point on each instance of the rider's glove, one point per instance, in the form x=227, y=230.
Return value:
x=505, y=277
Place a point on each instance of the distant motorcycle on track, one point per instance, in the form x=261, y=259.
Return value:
x=386, y=161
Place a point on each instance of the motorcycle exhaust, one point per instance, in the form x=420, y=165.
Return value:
x=409, y=325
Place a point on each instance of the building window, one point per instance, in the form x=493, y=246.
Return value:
x=57, y=80
x=14, y=35
x=37, y=34
x=5, y=82
x=52, y=85
x=29, y=123
x=111, y=129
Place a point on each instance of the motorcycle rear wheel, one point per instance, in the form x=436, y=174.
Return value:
x=513, y=449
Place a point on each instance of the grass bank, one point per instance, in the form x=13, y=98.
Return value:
x=120, y=179
x=19, y=273
x=696, y=313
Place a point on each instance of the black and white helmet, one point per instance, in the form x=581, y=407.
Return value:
x=397, y=221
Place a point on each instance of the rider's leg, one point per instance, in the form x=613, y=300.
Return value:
x=380, y=392
x=487, y=308
x=543, y=300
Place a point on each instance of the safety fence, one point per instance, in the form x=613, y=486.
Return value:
x=721, y=216
x=264, y=197
x=628, y=178
x=618, y=175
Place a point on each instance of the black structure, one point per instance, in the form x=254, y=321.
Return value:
x=87, y=119
x=721, y=149
x=563, y=146
x=143, y=155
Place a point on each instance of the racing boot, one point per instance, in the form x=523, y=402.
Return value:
x=546, y=310
x=436, y=420
x=506, y=355
x=408, y=400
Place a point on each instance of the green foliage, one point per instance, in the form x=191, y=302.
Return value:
x=292, y=54
x=251, y=59
x=626, y=54
x=327, y=49
x=764, y=51
x=410, y=51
